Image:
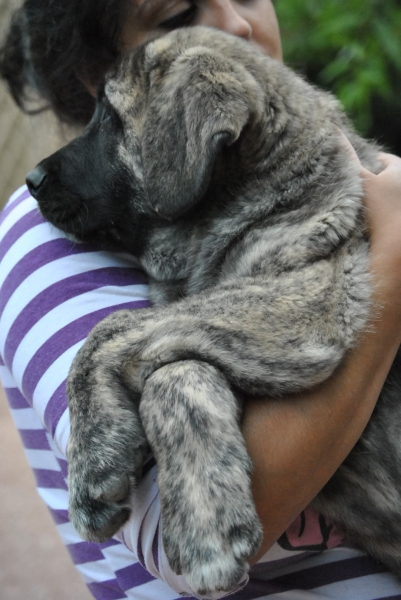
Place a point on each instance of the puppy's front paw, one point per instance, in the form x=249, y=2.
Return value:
x=210, y=525
x=100, y=484
x=210, y=557
x=107, y=444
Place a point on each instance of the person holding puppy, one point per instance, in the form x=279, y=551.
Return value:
x=53, y=292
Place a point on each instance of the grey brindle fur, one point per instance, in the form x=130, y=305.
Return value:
x=225, y=174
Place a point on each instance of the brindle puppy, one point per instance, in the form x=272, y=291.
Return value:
x=224, y=173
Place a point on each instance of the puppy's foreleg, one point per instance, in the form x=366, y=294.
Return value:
x=210, y=526
x=107, y=443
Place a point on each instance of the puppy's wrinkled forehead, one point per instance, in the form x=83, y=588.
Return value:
x=127, y=85
x=124, y=86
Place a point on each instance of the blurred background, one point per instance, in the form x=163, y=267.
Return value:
x=352, y=47
x=23, y=140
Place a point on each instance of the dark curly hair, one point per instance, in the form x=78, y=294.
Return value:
x=52, y=46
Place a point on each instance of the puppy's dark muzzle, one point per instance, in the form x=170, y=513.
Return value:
x=37, y=181
x=56, y=203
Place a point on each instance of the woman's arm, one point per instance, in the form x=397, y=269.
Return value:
x=296, y=444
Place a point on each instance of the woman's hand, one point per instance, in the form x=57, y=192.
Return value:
x=383, y=209
x=297, y=443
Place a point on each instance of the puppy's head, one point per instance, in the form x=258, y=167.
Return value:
x=163, y=115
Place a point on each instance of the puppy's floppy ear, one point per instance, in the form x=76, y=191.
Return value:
x=195, y=107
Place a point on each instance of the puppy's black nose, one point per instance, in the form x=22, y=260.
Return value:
x=36, y=181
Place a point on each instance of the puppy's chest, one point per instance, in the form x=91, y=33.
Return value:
x=202, y=257
x=169, y=253
x=183, y=261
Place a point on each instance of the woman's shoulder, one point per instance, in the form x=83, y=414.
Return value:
x=33, y=248
x=22, y=225
x=41, y=269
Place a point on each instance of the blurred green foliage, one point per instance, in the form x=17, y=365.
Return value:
x=353, y=48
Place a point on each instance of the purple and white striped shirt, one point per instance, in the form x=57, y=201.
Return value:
x=52, y=292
